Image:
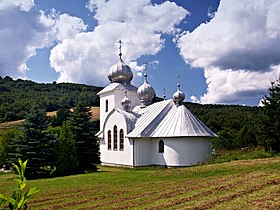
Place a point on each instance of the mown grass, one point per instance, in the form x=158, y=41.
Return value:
x=242, y=184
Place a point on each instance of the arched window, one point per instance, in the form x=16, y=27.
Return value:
x=115, y=137
x=109, y=140
x=161, y=146
x=121, y=139
x=106, y=105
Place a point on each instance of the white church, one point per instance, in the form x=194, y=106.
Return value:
x=136, y=132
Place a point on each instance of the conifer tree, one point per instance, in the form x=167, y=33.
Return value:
x=7, y=142
x=84, y=137
x=270, y=121
x=67, y=156
x=35, y=145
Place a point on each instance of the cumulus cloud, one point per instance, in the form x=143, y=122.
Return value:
x=87, y=56
x=24, y=5
x=23, y=30
x=239, y=49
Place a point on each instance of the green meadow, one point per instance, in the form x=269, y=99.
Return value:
x=241, y=184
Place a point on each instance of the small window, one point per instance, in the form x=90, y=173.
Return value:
x=161, y=146
x=115, y=138
x=121, y=139
x=109, y=140
x=106, y=105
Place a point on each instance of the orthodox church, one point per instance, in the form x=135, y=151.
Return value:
x=136, y=132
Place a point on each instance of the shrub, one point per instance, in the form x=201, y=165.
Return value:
x=19, y=199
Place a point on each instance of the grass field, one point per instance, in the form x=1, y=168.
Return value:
x=242, y=184
x=10, y=125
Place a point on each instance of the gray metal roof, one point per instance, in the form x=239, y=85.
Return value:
x=130, y=119
x=162, y=119
x=165, y=119
x=117, y=86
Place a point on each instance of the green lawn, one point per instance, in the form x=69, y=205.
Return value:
x=242, y=184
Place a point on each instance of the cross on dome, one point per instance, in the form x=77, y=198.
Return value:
x=120, y=72
x=178, y=96
x=120, y=47
x=126, y=102
x=164, y=96
x=145, y=92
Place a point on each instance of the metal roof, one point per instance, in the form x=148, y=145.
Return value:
x=165, y=119
x=117, y=86
x=162, y=119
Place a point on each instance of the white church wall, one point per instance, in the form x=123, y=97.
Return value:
x=116, y=157
x=182, y=151
x=114, y=101
x=111, y=104
x=142, y=152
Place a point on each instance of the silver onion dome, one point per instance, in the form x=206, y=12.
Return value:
x=145, y=93
x=120, y=72
x=178, y=96
x=126, y=102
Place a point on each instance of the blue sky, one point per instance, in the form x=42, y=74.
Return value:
x=225, y=51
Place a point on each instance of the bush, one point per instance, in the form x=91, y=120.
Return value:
x=19, y=198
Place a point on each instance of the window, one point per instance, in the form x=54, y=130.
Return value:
x=115, y=138
x=106, y=105
x=109, y=140
x=121, y=139
x=161, y=146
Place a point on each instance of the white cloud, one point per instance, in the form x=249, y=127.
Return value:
x=21, y=33
x=237, y=49
x=23, y=30
x=67, y=26
x=194, y=99
x=228, y=86
x=139, y=24
x=24, y=5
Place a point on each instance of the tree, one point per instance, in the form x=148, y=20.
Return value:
x=270, y=121
x=7, y=141
x=246, y=137
x=67, y=161
x=36, y=144
x=62, y=115
x=84, y=137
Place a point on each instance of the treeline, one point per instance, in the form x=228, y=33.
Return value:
x=17, y=96
x=236, y=126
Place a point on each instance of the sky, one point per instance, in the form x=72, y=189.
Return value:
x=224, y=51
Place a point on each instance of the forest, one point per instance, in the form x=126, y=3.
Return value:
x=17, y=96
x=67, y=139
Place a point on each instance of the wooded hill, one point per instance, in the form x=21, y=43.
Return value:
x=237, y=126
x=17, y=96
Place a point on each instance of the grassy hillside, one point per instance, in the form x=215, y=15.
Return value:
x=250, y=184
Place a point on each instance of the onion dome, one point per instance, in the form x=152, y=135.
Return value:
x=126, y=102
x=120, y=72
x=178, y=96
x=145, y=93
